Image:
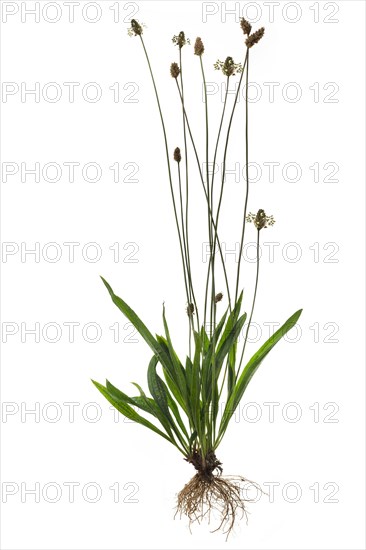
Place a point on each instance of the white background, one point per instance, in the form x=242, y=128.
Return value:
x=317, y=46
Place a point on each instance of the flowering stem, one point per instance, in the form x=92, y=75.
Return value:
x=185, y=251
x=208, y=204
x=208, y=199
x=223, y=177
x=217, y=141
x=226, y=148
x=223, y=182
x=188, y=260
x=246, y=177
x=214, y=384
x=207, y=404
x=253, y=304
x=169, y=171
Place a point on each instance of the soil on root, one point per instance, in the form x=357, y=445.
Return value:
x=209, y=492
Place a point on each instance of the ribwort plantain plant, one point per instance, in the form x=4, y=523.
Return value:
x=183, y=405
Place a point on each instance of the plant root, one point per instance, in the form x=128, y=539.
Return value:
x=209, y=492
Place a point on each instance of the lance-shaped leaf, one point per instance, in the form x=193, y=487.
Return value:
x=229, y=341
x=192, y=439
x=196, y=385
x=224, y=352
x=213, y=343
x=155, y=410
x=178, y=368
x=170, y=374
x=174, y=408
x=205, y=340
x=209, y=361
x=159, y=393
x=232, y=319
x=141, y=402
x=137, y=323
x=128, y=411
x=189, y=368
x=251, y=368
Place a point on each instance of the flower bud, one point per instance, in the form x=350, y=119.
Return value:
x=177, y=155
x=255, y=37
x=218, y=297
x=174, y=70
x=198, y=47
x=246, y=26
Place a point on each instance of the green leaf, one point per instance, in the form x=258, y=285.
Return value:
x=230, y=361
x=157, y=389
x=232, y=319
x=178, y=368
x=145, y=402
x=224, y=352
x=170, y=374
x=137, y=323
x=155, y=410
x=174, y=408
x=251, y=368
x=229, y=342
x=192, y=439
x=128, y=411
x=213, y=342
x=189, y=369
x=160, y=393
x=195, y=384
x=118, y=395
x=205, y=340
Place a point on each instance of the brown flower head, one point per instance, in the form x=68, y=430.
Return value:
x=190, y=310
x=198, y=47
x=255, y=37
x=177, y=155
x=246, y=26
x=260, y=220
x=228, y=67
x=180, y=40
x=218, y=297
x=136, y=28
x=174, y=70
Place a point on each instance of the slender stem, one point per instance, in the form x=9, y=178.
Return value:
x=212, y=257
x=217, y=141
x=205, y=192
x=223, y=182
x=168, y=164
x=213, y=292
x=226, y=147
x=188, y=260
x=253, y=304
x=209, y=414
x=246, y=177
x=181, y=248
x=185, y=251
x=208, y=187
x=225, y=155
x=181, y=211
